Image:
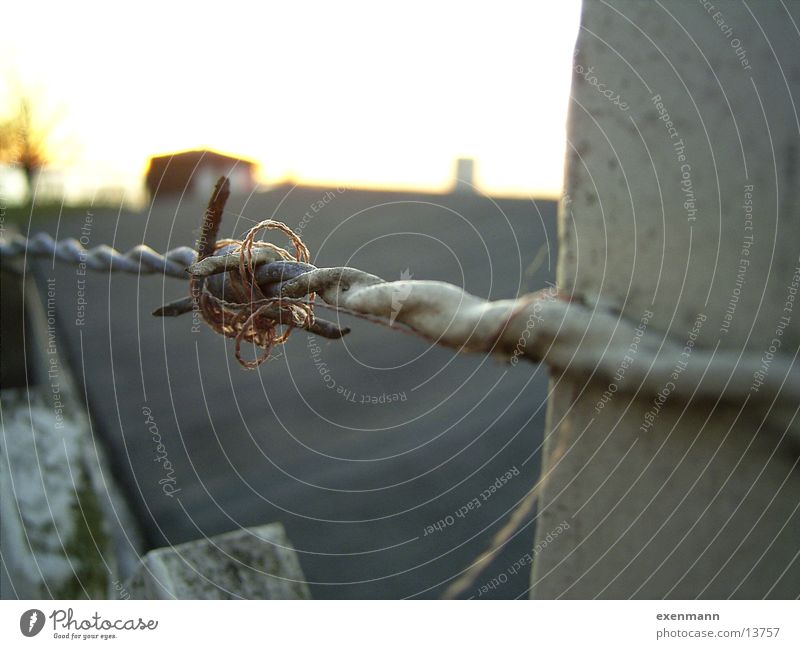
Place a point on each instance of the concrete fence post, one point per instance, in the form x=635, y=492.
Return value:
x=681, y=212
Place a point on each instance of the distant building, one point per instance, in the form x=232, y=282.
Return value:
x=464, y=180
x=196, y=172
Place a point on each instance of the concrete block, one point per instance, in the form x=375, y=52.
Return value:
x=251, y=563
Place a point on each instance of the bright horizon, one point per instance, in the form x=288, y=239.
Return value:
x=344, y=94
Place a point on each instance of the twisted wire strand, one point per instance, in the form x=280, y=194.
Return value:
x=146, y=261
x=139, y=260
x=582, y=340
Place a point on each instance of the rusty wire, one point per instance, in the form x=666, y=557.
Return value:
x=251, y=316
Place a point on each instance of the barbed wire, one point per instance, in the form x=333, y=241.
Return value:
x=584, y=339
x=140, y=260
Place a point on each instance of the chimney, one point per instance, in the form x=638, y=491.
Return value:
x=464, y=180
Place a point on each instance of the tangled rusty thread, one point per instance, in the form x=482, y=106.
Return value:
x=245, y=318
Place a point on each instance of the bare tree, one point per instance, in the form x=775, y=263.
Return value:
x=26, y=139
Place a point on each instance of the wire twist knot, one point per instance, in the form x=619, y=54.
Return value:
x=265, y=321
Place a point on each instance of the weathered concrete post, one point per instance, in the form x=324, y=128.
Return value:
x=681, y=211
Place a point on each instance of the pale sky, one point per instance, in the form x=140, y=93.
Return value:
x=319, y=92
